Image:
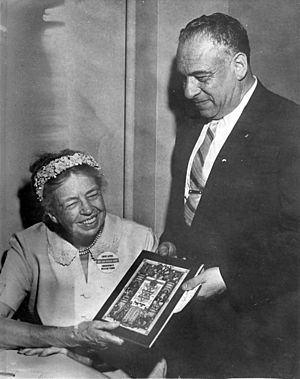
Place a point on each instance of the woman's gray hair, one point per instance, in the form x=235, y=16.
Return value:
x=47, y=201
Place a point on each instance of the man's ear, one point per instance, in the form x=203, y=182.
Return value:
x=240, y=65
x=52, y=217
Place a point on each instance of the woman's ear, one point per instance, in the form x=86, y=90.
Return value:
x=240, y=65
x=52, y=217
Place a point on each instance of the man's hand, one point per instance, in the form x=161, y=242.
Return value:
x=166, y=249
x=211, y=282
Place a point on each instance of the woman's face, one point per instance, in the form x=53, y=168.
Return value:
x=79, y=209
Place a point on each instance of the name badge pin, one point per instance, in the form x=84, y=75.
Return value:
x=107, y=261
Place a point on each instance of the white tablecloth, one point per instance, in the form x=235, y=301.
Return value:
x=57, y=366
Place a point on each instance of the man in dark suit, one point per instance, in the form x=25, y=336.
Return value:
x=234, y=206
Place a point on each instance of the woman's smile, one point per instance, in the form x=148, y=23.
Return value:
x=90, y=222
x=81, y=209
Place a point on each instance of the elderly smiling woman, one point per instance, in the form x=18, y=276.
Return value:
x=68, y=265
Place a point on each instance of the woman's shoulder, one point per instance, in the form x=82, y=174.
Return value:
x=29, y=245
x=35, y=235
x=33, y=230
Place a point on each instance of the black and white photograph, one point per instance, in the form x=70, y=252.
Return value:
x=162, y=126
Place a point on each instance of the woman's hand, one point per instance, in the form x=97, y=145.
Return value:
x=43, y=351
x=91, y=334
x=47, y=351
x=166, y=249
x=96, y=333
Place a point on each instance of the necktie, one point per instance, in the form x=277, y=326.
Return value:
x=197, y=181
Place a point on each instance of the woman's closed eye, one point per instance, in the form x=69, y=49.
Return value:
x=94, y=195
x=71, y=205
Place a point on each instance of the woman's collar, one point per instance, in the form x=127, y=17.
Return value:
x=63, y=252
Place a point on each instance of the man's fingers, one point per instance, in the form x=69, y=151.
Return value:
x=166, y=249
x=192, y=283
x=163, y=250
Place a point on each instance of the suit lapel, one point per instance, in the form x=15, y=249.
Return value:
x=247, y=126
x=230, y=162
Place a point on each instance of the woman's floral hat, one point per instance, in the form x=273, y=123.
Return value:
x=57, y=166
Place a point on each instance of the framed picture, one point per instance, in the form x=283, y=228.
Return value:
x=145, y=298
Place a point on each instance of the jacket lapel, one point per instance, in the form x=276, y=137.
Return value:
x=231, y=160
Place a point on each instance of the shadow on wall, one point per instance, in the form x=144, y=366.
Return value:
x=181, y=107
x=186, y=116
x=31, y=211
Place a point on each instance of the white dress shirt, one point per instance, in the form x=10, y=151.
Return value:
x=224, y=128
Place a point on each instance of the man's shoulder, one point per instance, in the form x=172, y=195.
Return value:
x=274, y=118
x=277, y=104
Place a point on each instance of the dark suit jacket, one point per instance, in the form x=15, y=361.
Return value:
x=247, y=222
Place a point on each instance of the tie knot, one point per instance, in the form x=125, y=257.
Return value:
x=213, y=126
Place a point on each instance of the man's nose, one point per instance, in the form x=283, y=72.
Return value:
x=191, y=88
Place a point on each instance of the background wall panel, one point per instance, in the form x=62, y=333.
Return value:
x=3, y=76
x=274, y=29
x=65, y=88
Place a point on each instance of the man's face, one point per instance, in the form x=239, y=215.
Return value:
x=209, y=78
